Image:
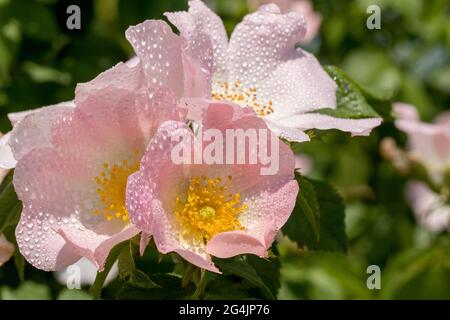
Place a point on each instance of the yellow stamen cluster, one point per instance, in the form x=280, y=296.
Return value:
x=111, y=189
x=208, y=209
x=246, y=97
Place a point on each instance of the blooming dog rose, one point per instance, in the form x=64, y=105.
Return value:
x=260, y=67
x=204, y=210
x=73, y=162
x=428, y=207
x=73, y=185
x=429, y=144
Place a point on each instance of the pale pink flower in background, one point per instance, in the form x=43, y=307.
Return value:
x=428, y=206
x=73, y=162
x=260, y=67
x=304, y=7
x=429, y=144
x=303, y=163
x=3, y=171
x=202, y=210
x=6, y=250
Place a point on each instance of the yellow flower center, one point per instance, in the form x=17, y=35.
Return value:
x=112, y=182
x=245, y=97
x=208, y=208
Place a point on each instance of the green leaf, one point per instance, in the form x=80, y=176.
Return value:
x=223, y=288
x=332, y=235
x=10, y=206
x=140, y=279
x=96, y=288
x=169, y=287
x=19, y=262
x=268, y=270
x=308, y=204
x=126, y=263
x=128, y=270
x=244, y=267
x=351, y=101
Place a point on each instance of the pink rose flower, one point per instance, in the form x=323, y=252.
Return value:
x=304, y=7
x=429, y=144
x=259, y=67
x=204, y=210
x=73, y=160
x=428, y=207
x=303, y=163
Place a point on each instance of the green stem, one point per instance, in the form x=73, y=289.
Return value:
x=187, y=275
x=201, y=285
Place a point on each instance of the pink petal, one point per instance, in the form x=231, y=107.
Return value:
x=444, y=118
x=7, y=160
x=428, y=207
x=55, y=232
x=145, y=240
x=40, y=245
x=126, y=77
x=159, y=52
x=223, y=116
x=232, y=243
x=94, y=245
x=268, y=211
x=198, y=66
x=260, y=41
x=15, y=117
x=358, y=127
x=303, y=7
x=37, y=241
x=201, y=20
x=263, y=55
x=405, y=111
x=313, y=19
x=37, y=131
x=288, y=133
x=34, y=129
x=303, y=163
x=157, y=172
x=298, y=84
x=429, y=143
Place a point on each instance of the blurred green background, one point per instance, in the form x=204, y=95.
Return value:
x=41, y=62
